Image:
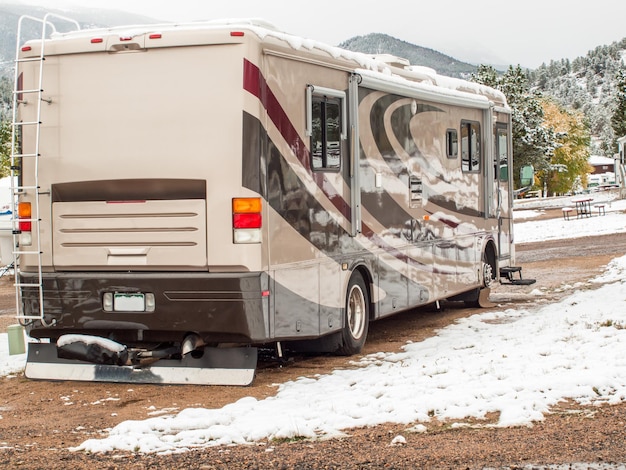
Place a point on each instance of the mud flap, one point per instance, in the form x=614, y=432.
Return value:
x=217, y=366
x=483, y=298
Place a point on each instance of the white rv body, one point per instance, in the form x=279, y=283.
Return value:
x=199, y=186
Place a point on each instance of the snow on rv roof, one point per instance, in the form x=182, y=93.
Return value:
x=412, y=76
x=381, y=64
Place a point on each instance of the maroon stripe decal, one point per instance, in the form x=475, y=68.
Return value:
x=255, y=84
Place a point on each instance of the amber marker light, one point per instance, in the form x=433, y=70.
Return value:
x=246, y=205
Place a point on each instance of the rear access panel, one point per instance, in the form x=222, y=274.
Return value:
x=134, y=234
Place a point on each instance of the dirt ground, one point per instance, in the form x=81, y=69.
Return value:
x=40, y=420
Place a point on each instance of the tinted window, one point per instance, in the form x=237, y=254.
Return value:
x=503, y=153
x=326, y=133
x=452, y=143
x=470, y=146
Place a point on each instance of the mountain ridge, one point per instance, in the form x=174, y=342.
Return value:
x=379, y=43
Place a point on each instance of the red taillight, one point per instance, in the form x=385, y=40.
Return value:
x=237, y=34
x=97, y=40
x=155, y=36
x=26, y=48
x=24, y=213
x=247, y=221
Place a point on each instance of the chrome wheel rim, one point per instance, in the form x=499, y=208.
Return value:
x=356, y=312
x=487, y=274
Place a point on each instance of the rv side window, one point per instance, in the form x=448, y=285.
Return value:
x=326, y=126
x=326, y=133
x=452, y=143
x=502, y=150
x=470, y=146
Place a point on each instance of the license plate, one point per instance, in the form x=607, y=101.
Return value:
x=134, y=302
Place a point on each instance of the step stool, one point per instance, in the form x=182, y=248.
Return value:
x=508, y=274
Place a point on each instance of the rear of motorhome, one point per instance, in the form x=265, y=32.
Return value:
x=188, y=193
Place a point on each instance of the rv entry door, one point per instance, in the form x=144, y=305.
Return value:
x=504, y=184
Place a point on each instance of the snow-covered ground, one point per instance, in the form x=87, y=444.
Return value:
x=515, y=362
x=531, y=231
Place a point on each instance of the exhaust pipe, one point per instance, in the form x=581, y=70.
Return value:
x=191, y=343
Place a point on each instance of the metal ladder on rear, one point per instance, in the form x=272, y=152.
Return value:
x=21, y=97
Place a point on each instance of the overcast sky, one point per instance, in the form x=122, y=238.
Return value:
x=496, y=31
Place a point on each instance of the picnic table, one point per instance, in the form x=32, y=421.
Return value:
x=583, y=207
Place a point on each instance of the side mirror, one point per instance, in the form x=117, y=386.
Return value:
x=527, y=175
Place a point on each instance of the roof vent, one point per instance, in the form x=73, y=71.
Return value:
x=252, y=22
x=392, y=60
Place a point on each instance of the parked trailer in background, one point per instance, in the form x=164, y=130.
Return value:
x=190, y=192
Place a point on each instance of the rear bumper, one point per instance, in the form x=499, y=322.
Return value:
x=219, y=307
x=217, y=366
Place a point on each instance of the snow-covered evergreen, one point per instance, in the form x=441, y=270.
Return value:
x=588, y=84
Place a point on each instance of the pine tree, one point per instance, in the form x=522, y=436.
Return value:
x=6, y=97
x=588, y=85
x=533, y=142
x=6, y=101
x=618, y=119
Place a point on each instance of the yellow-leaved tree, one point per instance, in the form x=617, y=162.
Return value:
x=569, y=164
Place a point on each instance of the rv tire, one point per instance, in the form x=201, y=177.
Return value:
x=356, y=316
x=481, y=295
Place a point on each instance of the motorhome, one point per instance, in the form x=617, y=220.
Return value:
x=188, y=193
